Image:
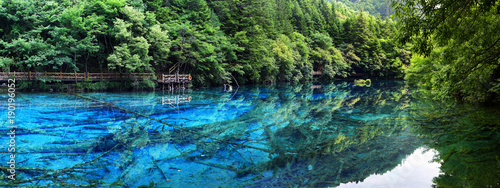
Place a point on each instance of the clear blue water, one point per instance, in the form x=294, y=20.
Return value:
x=282, y=135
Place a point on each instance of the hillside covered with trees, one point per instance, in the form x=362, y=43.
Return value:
x=374, y=7
x=213, y=40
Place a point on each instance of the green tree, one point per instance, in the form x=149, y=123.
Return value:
x=284, y=56
x=327, y=58
x=283, y=15
x=362, y=36
x=160, y=45
x=82, y=41
x=132, y=52
x=468, y=30
x=291, y=58
x=31, y=38
x=303, y=66
x=298, y=18
x=350, y=55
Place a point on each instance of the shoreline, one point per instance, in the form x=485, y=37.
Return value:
x=128, y=86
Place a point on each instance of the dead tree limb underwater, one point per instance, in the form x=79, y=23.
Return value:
x=168, y=124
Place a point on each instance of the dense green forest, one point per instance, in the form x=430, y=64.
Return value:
x=222, y=41
x=214, y=40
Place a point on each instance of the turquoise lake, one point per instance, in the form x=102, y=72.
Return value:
x=339, y=134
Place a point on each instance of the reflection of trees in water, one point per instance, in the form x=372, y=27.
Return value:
x=301, y=127
x=467, y=139
x=338, y=145
x=306, y=137
x=377, y=156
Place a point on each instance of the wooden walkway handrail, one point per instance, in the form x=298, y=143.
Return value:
x=165, y=100
x=173, y=68
x=175, y=99
x=161, y=78
x=315, y=73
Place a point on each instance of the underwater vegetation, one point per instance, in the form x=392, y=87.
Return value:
x=254, y=136
x=466, y=137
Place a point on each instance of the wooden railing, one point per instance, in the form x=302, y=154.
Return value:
x=165, y=100
x=173, y=68
x=316, y=87
x=78, y=77
x=316, y=73
x=169, y=100
x=175, y=78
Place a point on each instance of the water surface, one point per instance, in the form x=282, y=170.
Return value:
x=335, y=134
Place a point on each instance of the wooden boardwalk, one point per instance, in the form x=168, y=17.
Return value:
x=80, y=77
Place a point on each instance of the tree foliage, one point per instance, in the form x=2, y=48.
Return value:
x=466, y=34
x=217, y=41
x=374, y=7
